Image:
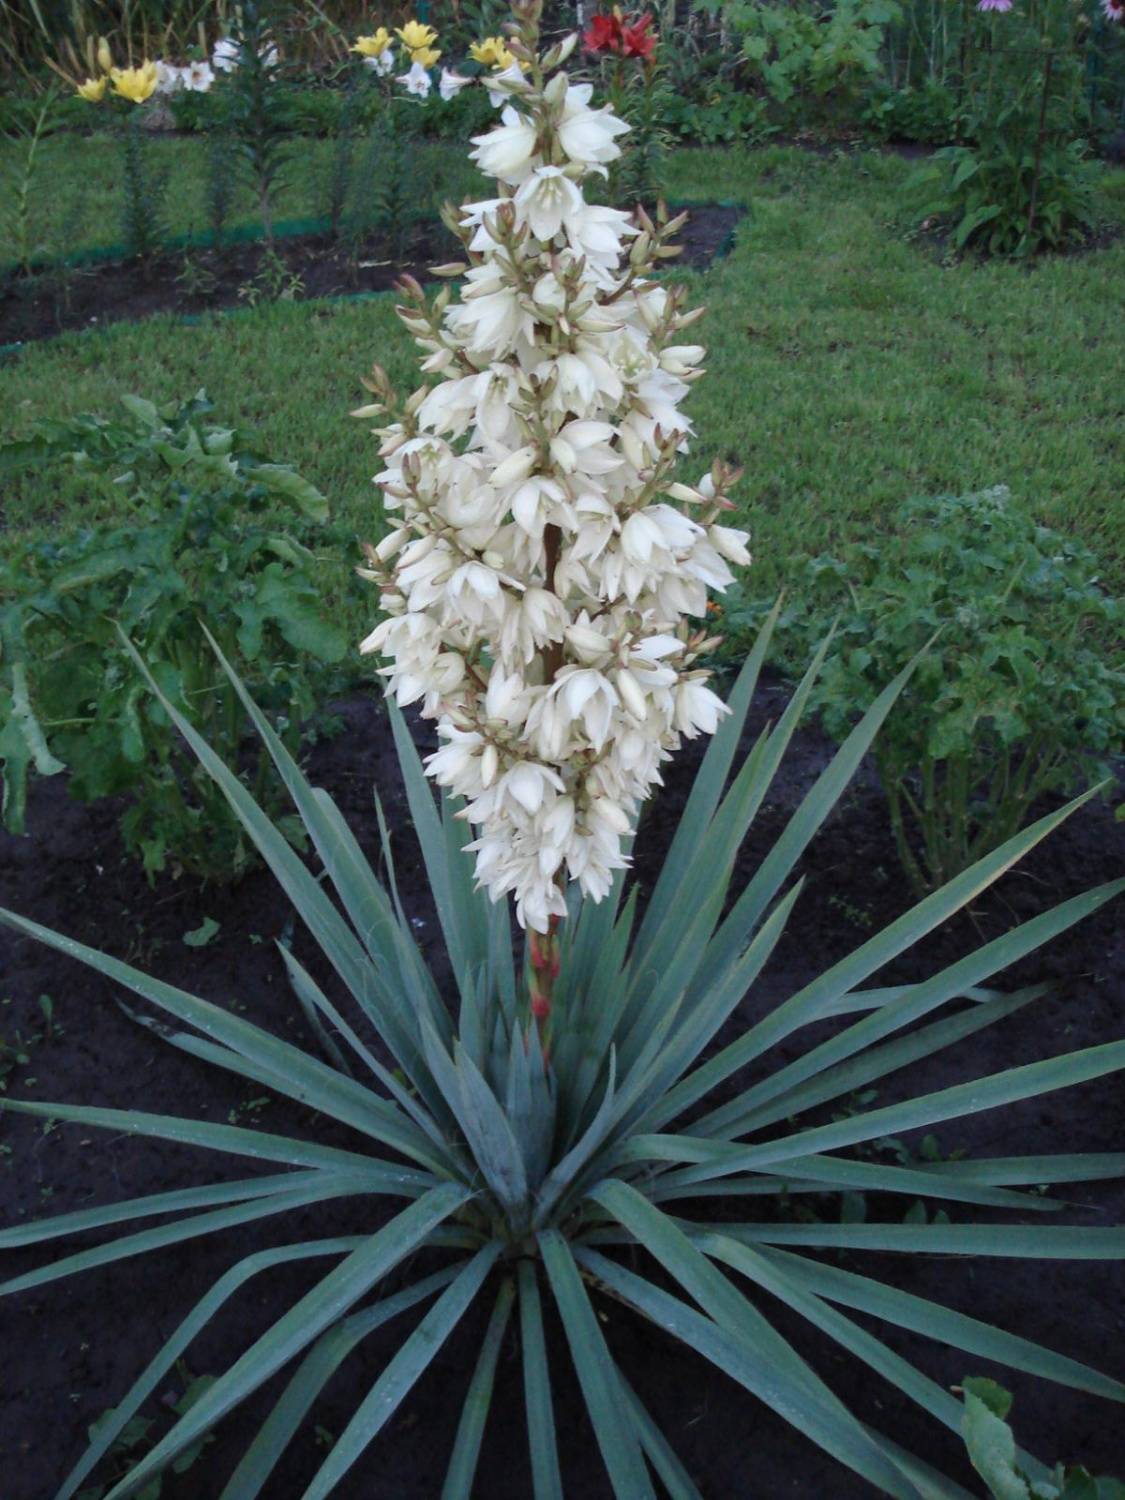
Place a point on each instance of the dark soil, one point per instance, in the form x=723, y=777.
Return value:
x=71, y=1349
x=200, y=281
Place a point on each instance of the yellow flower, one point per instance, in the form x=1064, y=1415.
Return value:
x=104, y=55
x=492, y=52
x=427, y=56
x=374, y=45
x=93, y=90
x=135, y=84
x=415, y=36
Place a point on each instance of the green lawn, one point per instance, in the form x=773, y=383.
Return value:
x=848, y=370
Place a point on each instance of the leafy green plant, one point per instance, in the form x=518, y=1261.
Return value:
x=1001, y=197
x=251, y=101
x=1022, y=182
x=137, y=1436
x=542, y=1159
x=19, y=214
x=727, y=114
x=203, y=536
x=992, y=1449
x=926, y=113
x=797, y=50
x=1018, y=694
x=273, y=281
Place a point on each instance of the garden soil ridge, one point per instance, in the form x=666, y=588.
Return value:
x=93, y=296
x=71, y=1349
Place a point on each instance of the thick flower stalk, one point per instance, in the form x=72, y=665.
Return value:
x=546, y=577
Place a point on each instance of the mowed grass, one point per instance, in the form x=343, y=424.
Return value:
x=848, y=369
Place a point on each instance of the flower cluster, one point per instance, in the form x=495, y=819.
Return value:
x=226, y=55
x=189, y=78
x=417, y=42
x=544, y=563
x=620, y=35
x=132, y=84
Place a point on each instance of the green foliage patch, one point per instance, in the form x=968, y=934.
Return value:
x=199, y=536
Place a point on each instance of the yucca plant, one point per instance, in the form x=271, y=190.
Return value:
x=539, y=594
x=528, y=1170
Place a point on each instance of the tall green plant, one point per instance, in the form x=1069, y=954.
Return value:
x=252, y=108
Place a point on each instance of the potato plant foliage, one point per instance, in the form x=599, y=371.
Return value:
x=205, y=540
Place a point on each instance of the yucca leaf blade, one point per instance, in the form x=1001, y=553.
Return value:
x=402, y=1373
x=1007, y=1087
x=597, y=1374
x=304, y=1321
x=543, y=1447
x=309, y=1379
x=193, y=1226
x=757, y=1371
x=817, y=998
x=942, y=1324
x=112, y=1423
x=295, y=1073
x=474, y=1413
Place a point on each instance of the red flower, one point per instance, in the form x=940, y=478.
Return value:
x=604, y=35
x=637, y=40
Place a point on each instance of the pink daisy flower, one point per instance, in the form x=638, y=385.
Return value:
x=1000, y=5
x=1114, y=10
